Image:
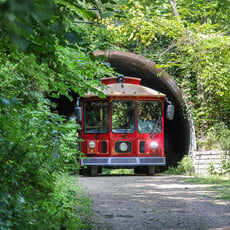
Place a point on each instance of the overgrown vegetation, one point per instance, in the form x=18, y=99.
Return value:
x=39, y=55
x=44, y=50
x=185, y=167
x=217, y=137
x=190, y=41
x=36, y=149
x=223, y=168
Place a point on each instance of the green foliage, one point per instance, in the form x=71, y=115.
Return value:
x=223, y=136
x=185, y=167
x=65, y=208
x=217, y=137
x=223, y=168
x=207, y=82
x=225, y=164
x=40, y=54
x=211, y=169
x=213, y=12
x=117, y=171
x=38, y=26
x=32, y=144
x=69, y=207
x=193, y=47
x=43, y=50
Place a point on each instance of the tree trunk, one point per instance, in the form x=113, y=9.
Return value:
x=174, y=7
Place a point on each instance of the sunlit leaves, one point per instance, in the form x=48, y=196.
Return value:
x=207, y=61
x=193, y=48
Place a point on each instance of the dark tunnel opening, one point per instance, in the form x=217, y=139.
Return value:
x=179, y=131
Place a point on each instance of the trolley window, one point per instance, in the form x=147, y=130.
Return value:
x=96, y=117
x=149, y=116
x=123, y=116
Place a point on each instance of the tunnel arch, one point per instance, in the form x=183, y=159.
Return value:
x=179, y=133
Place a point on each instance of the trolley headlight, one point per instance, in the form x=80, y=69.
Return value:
x=92, y=144
x=123, y=147
x=154, y=145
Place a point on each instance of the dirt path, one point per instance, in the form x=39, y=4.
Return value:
x=158, y=202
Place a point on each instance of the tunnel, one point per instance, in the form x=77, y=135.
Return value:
x=179, y=132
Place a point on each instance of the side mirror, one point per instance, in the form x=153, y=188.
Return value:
x=170, y=112
x=78, y=113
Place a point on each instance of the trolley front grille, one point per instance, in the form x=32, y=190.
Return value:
x=123, y=161
x=153, y=160
x=94, y=161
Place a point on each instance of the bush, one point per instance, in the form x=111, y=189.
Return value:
x=217, y=137
x=35, y=147
x=223, y=168
x=185, y=166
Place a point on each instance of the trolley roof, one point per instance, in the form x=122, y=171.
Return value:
x=127, y=89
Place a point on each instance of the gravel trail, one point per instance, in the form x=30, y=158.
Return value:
x=157, y=202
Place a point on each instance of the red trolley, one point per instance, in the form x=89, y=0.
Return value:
x=124, y=129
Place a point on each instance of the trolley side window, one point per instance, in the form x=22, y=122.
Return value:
x=149, y=116
x=96, y=117
x=123, y=116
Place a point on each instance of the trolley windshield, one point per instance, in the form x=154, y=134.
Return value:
x=149, y=116
x=96, y=117
x=123, y=116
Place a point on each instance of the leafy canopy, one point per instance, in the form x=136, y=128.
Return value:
x=40, y=53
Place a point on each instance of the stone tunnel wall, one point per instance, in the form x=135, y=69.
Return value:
x=206, y=161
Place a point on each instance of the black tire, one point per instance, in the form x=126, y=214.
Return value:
x=99, y=170
x=93, y=170
x=150, y=170
x=140, y=170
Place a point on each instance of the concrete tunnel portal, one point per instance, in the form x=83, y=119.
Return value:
x=179, y=134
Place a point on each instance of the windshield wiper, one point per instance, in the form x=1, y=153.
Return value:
x=125, y=134
x=97, y=134
x=153, y=131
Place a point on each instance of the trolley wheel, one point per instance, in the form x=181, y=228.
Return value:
x=150, y=170
x=139, y=170
x=99, y=170
x=84, y=171
x=93, y=170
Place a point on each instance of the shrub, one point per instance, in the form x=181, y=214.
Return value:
x=223, y=168
x=185, y=166
x=35, y=147
x=217, y=137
